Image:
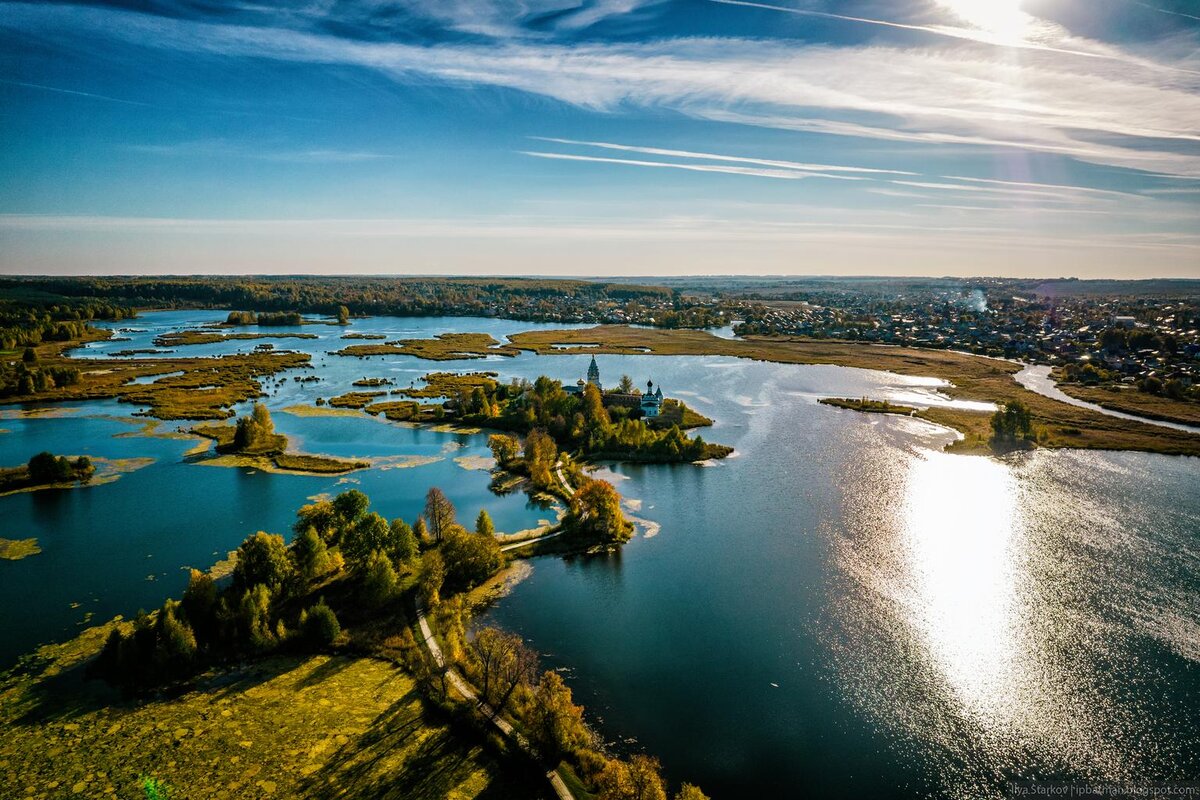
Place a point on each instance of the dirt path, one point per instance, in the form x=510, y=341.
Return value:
x=468, y=692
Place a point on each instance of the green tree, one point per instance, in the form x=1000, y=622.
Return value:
x=379, y=579
x=439, y=512
x=262, y=559
x=371, y=532
x=343, y=315
x=45, y=467
x=690, y=791
x=322, y=516
x=483, y=524
x=431, y=576
x=319, y=625
x=255, y=432
x=404, y=542
x=626, y=385
x=1012, y=422
x=420, y=531
x=29, y=356
x=310, y=556
x=200, y=606
x=595, y=512
x=350, y=506
x=470, y=560
x=254, y=618
x=175, y=653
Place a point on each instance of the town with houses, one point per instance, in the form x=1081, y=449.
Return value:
x=1148, y=341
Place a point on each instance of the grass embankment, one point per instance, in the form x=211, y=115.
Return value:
x=16, y=549
x=444, y=347
x=1129, y=400
x=285, y=726
x=205, y=389
x=867, y=406
x=973, y=378
x=184, y=338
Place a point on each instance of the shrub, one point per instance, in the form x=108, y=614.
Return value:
x=319, y=625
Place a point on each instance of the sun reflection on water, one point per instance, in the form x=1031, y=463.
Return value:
x=960, y=541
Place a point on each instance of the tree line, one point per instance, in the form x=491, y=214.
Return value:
x=515, y=298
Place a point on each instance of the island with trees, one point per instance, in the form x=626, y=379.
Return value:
x=46, y=470
x=252, y=441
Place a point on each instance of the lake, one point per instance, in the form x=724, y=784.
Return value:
x=838, y=610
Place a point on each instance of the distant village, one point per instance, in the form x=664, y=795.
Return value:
x=1152, y=343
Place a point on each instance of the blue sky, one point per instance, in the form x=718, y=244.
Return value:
x=602, y=137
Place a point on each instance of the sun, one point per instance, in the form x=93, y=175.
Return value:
x=1003, y=18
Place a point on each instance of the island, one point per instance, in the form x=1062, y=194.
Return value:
x=45, y=471
x=253, y=442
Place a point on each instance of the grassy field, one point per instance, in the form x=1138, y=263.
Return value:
x=973, y=378
x=284, y=726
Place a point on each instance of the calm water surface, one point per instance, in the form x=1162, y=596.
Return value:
x=839, y=610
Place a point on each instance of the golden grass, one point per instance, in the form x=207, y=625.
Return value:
x=973, y=378
x=320, y=411
x=444, y=347
x=1131, y=401
x=322, y=465
x=184, y=338
x=16, y=549
x=450, y=384
x=287, y=726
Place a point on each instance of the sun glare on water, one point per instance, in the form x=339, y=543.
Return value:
x=962, y=544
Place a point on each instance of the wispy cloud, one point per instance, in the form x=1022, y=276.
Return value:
x=659, y=151
x=780, y=174
x=57, y=90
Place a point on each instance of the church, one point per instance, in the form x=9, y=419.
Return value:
x=649, y=403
